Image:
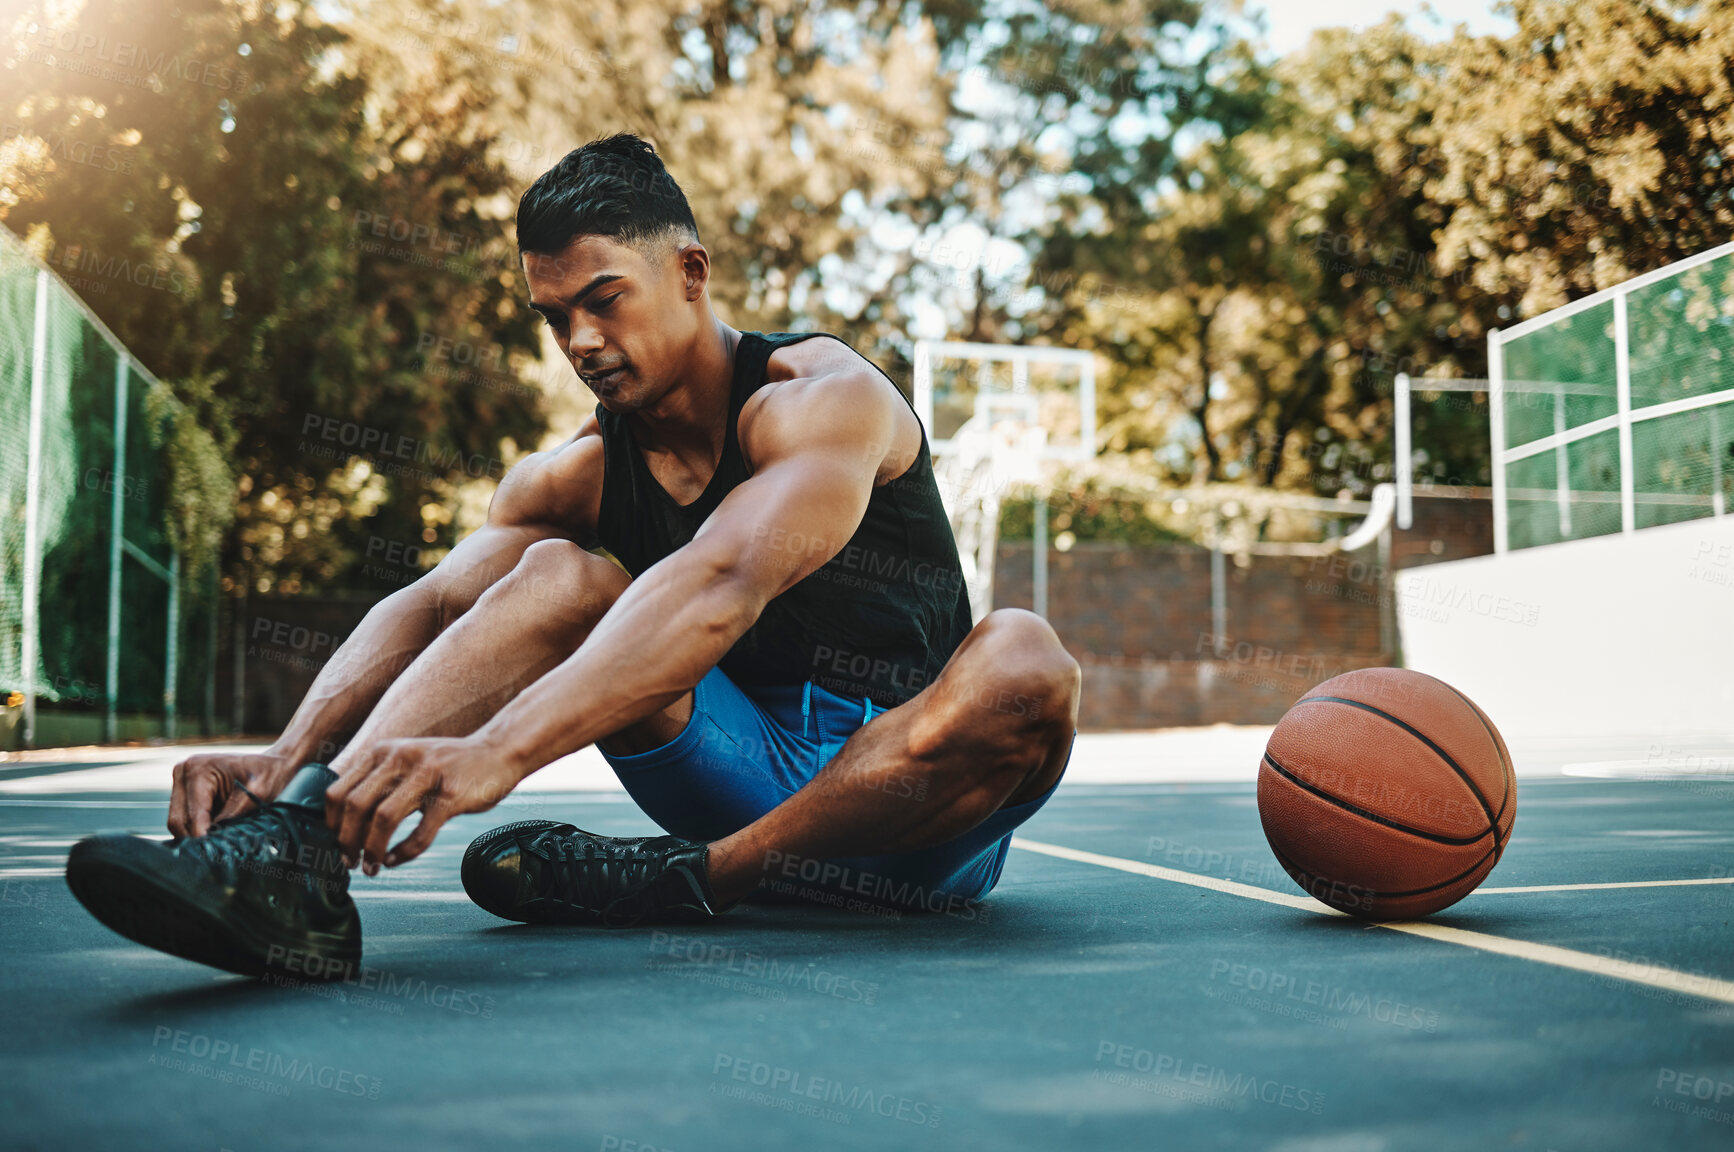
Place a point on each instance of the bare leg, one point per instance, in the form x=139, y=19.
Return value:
x=520, y=629
x=993, y=730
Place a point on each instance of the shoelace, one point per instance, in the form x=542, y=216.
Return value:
x=245, y=836
x=593, y=887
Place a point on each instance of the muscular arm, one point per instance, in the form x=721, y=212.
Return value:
x=817, y=446
x=539, y=499
x=547, y=495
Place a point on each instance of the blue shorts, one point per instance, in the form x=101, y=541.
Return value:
x=744, y=752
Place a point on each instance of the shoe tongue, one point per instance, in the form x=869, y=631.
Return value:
x=307, y=788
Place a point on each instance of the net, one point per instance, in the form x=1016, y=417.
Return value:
x=1565, y=474
x=94, y=606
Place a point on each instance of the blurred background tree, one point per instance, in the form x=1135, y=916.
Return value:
x=1256, y=246
x=254, y=165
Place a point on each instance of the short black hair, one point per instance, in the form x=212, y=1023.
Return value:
x=614, y=187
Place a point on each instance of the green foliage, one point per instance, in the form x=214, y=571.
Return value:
x=201, y=489
x=1092, y=513
x=1375, y=204
x=244, y=164
x=319, y=208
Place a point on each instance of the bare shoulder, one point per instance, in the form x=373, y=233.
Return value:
x=559, y=487
x=823, y=390
x=822, y=355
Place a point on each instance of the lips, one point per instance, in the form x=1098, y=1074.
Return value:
x=605, y=379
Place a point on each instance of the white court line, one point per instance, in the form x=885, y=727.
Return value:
x=1232, y=887
x=1620, y=884
x=1653, y=975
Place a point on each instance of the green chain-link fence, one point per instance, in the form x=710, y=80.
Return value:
x=1616, y=412
x=104, y=634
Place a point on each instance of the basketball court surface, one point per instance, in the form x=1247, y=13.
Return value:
x=1144, y=976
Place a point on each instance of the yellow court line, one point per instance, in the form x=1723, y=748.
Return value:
x=1620, y=884
x=1654, y=975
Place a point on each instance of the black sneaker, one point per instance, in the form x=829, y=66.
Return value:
x=263, y=892
x=540, y=872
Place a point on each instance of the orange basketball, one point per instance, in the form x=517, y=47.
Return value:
x=1387, y=794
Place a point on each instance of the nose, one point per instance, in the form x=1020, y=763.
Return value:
x=585, y=342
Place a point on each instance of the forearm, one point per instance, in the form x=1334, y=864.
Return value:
x=392, y=634
x=658, y=640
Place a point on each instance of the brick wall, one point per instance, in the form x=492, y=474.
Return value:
x=1138, y=620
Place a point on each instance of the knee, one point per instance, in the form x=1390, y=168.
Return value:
x=1011, y=686
x=549, y=558
x=564, y=580
x=1023, y=661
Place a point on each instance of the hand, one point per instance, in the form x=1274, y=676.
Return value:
x=440, y=776
x=205, y=783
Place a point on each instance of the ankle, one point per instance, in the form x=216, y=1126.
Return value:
x=730, y=883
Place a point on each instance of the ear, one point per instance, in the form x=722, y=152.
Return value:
x=694, y=263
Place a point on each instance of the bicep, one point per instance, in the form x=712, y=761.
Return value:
x=819, y=453
x=786, y=522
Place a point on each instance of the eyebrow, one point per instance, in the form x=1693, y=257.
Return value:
x=576, y=297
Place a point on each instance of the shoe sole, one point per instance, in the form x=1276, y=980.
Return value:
x=118, y=885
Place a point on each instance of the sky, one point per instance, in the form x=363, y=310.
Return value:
x=1290, y=22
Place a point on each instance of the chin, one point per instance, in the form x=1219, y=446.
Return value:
x=627, y=399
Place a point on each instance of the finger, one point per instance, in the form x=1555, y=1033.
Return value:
x=178, y=803
x=238, y=803
x=433, y=819
x=358, y=806
x=339, y=791
x=201, y=798
x=416, y=790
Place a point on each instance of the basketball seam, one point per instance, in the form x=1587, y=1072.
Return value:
x=1373, y=816
x=1509, y=772
x=1374, y=893
x=1486, y=808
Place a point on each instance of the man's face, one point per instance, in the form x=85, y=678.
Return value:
x=625, y=321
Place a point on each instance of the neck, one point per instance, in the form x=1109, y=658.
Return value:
x=689, y=419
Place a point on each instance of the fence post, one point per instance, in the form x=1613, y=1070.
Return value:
x=1039, y=545
x=1623, y=384
x=1496, y=431
x=1561, y=465
x=1405, y=464
x=1390, y=636
x=33, y=505
x=1218, y=589
x=1718, y=502
x=171, y=658
x=116, y=530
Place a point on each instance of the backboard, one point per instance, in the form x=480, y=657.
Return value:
x=1050, y=388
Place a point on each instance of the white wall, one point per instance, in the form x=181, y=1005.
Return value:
x=1617, y=634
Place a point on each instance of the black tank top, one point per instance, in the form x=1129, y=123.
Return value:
x=879, y=620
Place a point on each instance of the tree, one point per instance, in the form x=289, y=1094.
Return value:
x=1591, y=146
x=314, y=243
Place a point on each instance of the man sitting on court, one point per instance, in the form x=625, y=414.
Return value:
x=781, y=668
